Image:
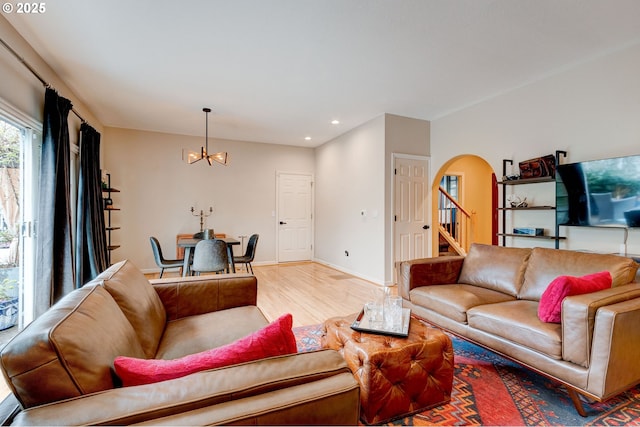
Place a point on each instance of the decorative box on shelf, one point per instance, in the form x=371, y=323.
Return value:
x=528, y=231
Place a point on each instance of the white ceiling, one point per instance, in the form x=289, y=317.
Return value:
x=276, y=71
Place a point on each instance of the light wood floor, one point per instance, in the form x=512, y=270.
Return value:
x=311, y=292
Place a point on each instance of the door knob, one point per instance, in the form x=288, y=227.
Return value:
x=282, y=223
x=425, y=227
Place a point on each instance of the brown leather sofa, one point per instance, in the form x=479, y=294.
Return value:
x=491, y=296
x=60, y=367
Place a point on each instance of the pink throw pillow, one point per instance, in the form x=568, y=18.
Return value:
x=550, y=307
x=274, y=339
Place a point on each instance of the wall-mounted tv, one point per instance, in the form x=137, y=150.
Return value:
x=599, y=193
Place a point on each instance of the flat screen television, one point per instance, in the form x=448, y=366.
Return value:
x=599, y=193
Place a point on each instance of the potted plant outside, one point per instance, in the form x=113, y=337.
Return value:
x=8, y=303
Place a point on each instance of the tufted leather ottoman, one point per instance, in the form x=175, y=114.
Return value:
x=397, y=376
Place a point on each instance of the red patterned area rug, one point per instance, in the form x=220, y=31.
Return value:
x=490, y=390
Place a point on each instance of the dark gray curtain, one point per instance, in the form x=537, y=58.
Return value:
x=54, y=256
x=91, y=240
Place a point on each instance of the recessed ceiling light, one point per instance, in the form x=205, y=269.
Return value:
x=335, y=122
x=307, y=138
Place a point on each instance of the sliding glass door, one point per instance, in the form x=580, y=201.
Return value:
x=20, y=140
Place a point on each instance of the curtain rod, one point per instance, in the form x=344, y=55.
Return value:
x=35, y=73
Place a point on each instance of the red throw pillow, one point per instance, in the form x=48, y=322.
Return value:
x=550, y=307
x=274, y=339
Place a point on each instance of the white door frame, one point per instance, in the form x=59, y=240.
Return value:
x=277, y=213
x=392, y=202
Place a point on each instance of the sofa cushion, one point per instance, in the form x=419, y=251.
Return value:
x=138, y=301
x=453, y=301
x=495, y=267
x=546, y=264
x=195, y=295
x=518, y=322
x=204, y=331
x=276, y=339
x=69, y=350
x=550, y=307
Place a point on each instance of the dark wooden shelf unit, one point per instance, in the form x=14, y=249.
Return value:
x=530, y=208
x=502, y=209
x=109, y=209
x=527, y=236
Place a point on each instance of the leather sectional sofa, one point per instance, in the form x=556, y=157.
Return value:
x=491, y=297
x=60, y=367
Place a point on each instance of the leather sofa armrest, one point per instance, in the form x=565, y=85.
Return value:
x=616, y=349
x=428, y=271
x=579, y=319
x=189, y=296
x=206, y=389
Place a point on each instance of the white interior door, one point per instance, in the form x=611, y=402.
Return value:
x=412, y=226
x=295, y=217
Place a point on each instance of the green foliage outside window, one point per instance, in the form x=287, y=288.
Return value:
x=6, y=288
x=9, y=145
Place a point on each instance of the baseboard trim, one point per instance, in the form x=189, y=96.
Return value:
x=353, y=273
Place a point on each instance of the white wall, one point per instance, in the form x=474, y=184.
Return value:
x=158, y=189
x=354, y=174
x=23, y=91
x=350, y=177
x=592, y=111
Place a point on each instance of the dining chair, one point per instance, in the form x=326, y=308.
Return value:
x=249, y=253
x=160, y=260
x=210, y=256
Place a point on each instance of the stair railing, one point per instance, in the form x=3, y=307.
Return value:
x=455, y=223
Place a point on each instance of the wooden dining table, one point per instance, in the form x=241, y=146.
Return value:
x=189, y=245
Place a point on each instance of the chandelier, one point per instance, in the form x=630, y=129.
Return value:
x=194, y=156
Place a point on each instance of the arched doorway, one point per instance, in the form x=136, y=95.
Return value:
x=473, y=182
